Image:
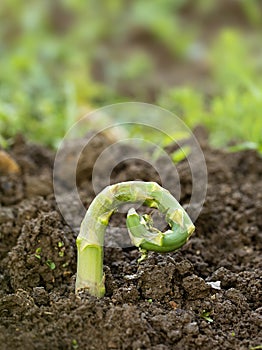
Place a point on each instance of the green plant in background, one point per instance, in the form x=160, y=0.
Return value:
x=187, y=103
x=160, y=18
x=181, y=154
x=236, y=116
x=233, y=111
x=90, y=240
x=252, y=10
x=232, y=61
x=45, y=77
x=48, y=56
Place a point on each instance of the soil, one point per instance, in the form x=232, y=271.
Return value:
x=168, y=301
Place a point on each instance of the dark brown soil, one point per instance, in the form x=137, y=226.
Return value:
x=166, y=301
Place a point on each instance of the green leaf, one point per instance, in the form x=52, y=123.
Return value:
x=205, y=315
x=50, y=264
x=74, y=344
x=38, y=252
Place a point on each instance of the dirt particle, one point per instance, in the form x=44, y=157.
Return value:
x=173, y=304
x=184, y=267
x=236, y=297
x=40, y=296
x=191, y=328
x=195, y=287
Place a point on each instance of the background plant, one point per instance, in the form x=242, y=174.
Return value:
x=61, y=59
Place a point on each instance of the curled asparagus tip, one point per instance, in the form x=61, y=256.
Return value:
x=144, y=235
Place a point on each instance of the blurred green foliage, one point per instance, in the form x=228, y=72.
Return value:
x=61, y=59
x=233, y=113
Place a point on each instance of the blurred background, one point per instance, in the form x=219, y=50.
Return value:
x=201, y=60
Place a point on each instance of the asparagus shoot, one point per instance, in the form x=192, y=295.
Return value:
x=90, y=240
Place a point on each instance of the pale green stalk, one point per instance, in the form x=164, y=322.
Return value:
x=90, y=240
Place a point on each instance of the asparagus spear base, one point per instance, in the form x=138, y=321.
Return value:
x=90, y=268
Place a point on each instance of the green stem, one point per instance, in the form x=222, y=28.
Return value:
x=90, y=240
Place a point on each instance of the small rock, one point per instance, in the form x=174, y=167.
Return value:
x=191, y=328
x=173, y=304
x=7, y=164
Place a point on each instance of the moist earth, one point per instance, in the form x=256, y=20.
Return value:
x=204, y=296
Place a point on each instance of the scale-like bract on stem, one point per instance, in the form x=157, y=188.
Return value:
x=90, y=240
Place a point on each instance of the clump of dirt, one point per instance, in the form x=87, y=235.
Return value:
x=206, y=295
